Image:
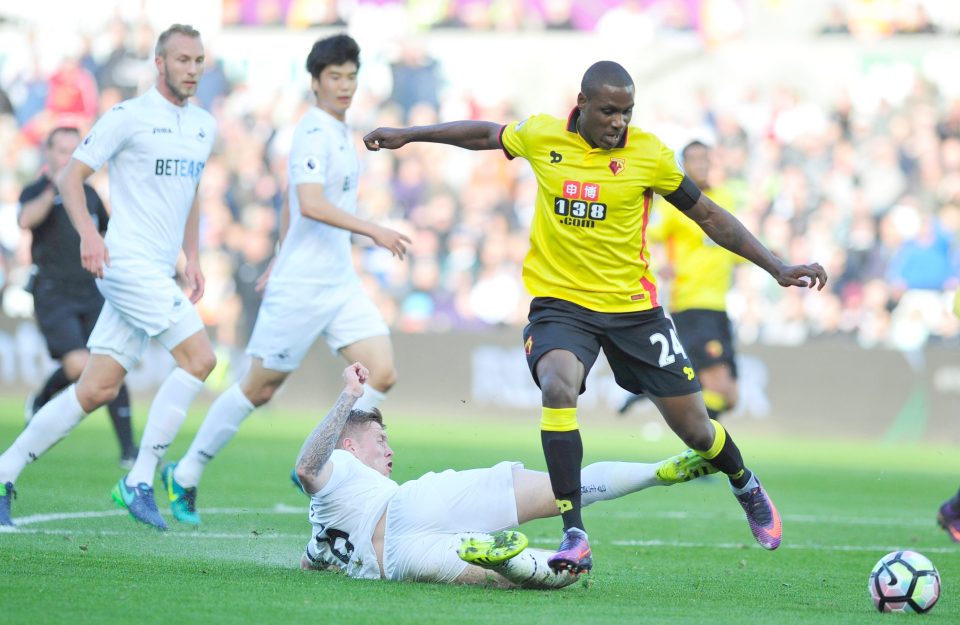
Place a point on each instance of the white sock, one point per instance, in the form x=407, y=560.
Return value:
x=50, y=425
x=371, y=398
x=750, y=485
x=602, y=481
x=529, y=569
x=167, y=412
x=226, y=414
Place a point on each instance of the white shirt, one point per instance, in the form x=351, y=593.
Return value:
x=345, y=512
x=156, y=151
x=322, y=153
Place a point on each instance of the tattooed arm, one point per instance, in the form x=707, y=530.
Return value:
x=313, y=468
x=727, y=230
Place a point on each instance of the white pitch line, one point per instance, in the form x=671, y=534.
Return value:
x=678, y=515
x=666, y=514
x=101, y=514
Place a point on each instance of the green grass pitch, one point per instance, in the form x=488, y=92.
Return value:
x=682, y=554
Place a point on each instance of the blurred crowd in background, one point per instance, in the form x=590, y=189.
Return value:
x=872, y=192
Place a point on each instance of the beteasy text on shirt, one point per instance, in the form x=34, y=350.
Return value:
x=182, y=167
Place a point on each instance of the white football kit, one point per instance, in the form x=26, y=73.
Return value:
x=156, y=151
x=313, y=288
x=425, y=518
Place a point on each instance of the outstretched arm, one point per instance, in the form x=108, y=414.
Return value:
x=313, y=468
x=472, y=135
x=727, y=230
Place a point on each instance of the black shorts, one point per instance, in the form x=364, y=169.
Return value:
x=65, y=319
x=707, y=336
x=642, y=347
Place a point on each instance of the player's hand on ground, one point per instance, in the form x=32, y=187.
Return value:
x=389, y=138
x=261, y=283
x=354, y=377
x=94, y=254
x=392, y=240
x=810, y=276
x=194, y=279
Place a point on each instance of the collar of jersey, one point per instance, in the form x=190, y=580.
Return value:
x=572, y=127
x=322, y=113
x=155, y=95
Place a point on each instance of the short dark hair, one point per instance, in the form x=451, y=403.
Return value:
x=357, y=420
x=696, y=143
x=58, y=130
x=604, y=73
x=183, y=29
x=334, y=50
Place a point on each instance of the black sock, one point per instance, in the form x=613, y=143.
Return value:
x=57, y=381
x=563, y=452
x=727, y=459
x=119, y=410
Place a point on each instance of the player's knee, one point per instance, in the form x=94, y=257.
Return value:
x=262, y=394
x=91, y=395
x=383, y=380
x=700, y=440
x=698, y=434
x=557, y=391
x=201, y=365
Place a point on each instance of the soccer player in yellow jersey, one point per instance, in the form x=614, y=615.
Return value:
x=588, y=270
x=702, y=273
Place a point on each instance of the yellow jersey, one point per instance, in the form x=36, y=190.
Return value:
x=703, y=271
x=588, y=239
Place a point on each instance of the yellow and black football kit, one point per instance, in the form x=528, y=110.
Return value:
x=588, y=240
x=589, y=262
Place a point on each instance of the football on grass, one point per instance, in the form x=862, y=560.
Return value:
x=904, y=581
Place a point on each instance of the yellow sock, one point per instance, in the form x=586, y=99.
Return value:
x=558, y=419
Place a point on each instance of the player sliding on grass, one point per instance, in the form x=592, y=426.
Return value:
x=589, y=272
x=437, y=528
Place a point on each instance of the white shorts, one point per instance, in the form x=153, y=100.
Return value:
x=140, y=305
x=292, y=316
x=427, y=516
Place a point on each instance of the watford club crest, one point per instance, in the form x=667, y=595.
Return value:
x=617, y=165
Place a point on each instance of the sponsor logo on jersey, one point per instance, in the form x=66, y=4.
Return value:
x=311, y=164
x=579, y=204
x=89, y=139
x=555, y=157
x=163, y=131
x=202, y=135
x=178, y=167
